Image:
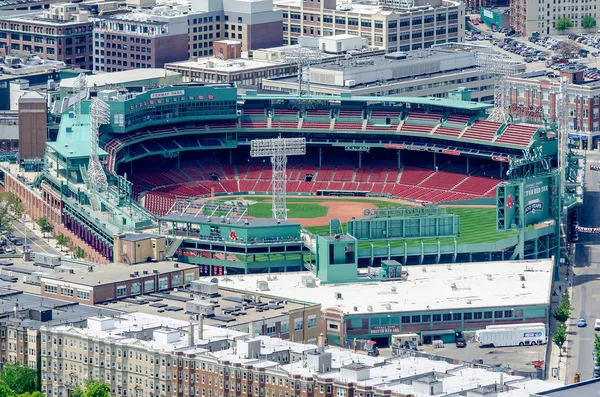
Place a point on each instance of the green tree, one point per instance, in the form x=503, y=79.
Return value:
x=5, y=390
x=62, y=241
x=34, y=394
x=588, y=22
x=564, y=23
x=45, y=226
x=19, y=378
x=79, y=253
x=11, y=209
x=560, y=336
x=563, y=311
x=92, y=388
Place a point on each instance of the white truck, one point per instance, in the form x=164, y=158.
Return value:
x=513, y=335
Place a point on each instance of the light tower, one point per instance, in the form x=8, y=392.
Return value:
x=562, y=119
x=303, y=57
x=79, y=95
x=99, y=114
x=278, y=149
x=500, y=66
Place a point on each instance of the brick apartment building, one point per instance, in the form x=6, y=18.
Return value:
x=543, y=93
x=61, y=33
x=149, y=38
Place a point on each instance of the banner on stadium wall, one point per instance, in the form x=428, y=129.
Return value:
x=590, y=230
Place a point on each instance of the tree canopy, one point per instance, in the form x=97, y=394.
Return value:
x=560, y=336
x=588, y=22
x=563, y=311
x=18, y=378
x=92, y=388
x=564, y=23
x=11, y=209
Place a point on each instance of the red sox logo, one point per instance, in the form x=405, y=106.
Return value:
x=509, y=202
x=232, y=235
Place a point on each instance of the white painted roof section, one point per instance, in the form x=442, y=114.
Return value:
x=429, y=287
x=130, y=323
x=363, y=8
x=126, y=76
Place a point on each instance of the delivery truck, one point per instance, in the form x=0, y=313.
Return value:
x=513, y=335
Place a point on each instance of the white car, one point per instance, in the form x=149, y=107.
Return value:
x=597, y=325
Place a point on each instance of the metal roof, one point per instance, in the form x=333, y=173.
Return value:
x=441, y=102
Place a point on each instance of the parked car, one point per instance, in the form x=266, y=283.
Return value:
x=9, y=250
x=581, y=323
x=597, y=325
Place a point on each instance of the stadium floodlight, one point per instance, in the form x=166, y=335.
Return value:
x=562, y=118
x=278, y=149
x=79, y=94
x=500, y=66
x=99, y=114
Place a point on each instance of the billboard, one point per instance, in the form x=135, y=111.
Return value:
x=527, y=202
x=537, y=200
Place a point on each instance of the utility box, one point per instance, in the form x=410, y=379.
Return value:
x=341, y=43
x=47, y=260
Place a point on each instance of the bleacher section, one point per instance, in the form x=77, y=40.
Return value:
x=202, y=178
x=518, y=134
x=482, y=130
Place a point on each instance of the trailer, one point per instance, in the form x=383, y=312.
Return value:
x=366, y=345
x=513, y=335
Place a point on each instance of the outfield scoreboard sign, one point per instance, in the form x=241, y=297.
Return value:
x=528, y=200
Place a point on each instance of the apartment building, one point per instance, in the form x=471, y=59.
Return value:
x=23, y=314
x=61, y=33
x=142, y=355
x=139, y=40
x=528, y=16
x=538, y=96
x=392, y=24
x=170, y=32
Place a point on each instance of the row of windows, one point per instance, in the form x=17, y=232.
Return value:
x=442, y=317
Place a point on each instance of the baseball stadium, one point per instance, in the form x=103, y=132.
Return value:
x=366, y=180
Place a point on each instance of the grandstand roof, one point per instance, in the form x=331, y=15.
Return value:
x=442, y=102
x=73, y=139
x=196, y=219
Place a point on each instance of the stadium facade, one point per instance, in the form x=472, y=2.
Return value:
x=166, y=148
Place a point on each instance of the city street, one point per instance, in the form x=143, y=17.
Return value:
x=36, y=243
x=586, y=282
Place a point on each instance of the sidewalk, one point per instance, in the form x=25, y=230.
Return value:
x=49, y=239
x=558, y=360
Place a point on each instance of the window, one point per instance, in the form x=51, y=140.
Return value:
x=477, y=316
x=487, y=315
x=425, y=318
x=66, y=291
x=121, y=291
x=498, y=314
x=437, y=318
x=457, y=316
x=447, y=317
x=136, y=288
x=51, y=289
x=298, y=324
x=508, y=313
x=285, y=326
x=415, y=319
x=468, y=316
x=85, y=295
x=176, y=280
x=163, y=283
x=405, y=319
x=312, y=321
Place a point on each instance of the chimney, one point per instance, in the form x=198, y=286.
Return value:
x=16, y=310
x=191, y=334
x=321, y=342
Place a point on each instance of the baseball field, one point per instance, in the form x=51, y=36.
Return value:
x=477, y=223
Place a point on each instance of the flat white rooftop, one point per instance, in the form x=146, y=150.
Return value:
x=124, y=325
x=126, y=76
x=428, y=287
x=226, y=66
x=362, y=8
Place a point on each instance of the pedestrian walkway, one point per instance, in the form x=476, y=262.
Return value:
x=558, y=361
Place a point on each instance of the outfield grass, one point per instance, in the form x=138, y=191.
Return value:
x=477, y=225
x=295, y=210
